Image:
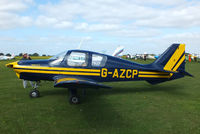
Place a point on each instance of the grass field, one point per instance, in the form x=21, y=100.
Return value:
x=128, y=108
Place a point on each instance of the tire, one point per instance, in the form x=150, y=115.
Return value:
x=34, y=94
x=74, y=100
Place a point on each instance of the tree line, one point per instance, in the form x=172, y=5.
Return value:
x=20, y=54
x=2, y=54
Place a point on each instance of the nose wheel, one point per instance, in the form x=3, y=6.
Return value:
x=34, y=93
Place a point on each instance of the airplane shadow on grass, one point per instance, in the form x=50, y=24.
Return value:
x=104, y=117
x=92, y=93
x=171, y=89
x=100, y=115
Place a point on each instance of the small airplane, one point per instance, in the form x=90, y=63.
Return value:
x=151, y=57
x=79, y=69
x=7, y=57
x=118, y=51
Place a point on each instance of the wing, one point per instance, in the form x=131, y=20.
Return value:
x=77, y=83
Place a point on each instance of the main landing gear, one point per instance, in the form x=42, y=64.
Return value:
x=73, y=94
x=73, y=97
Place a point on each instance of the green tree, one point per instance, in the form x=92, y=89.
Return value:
x=20, y=54
x=8, y=54
x=35, y=54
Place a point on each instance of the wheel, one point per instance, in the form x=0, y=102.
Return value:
x=34, y=94
x=74, y=100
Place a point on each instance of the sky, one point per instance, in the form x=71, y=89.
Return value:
x=141, y=26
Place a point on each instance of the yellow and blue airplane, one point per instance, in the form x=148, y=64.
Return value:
x=79, y=69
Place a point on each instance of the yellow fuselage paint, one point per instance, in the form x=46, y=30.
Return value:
x=52, y=70
x=66, y=79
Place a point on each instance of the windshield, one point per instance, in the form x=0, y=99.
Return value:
x=58, y=58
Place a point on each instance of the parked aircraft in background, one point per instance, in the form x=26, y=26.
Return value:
x=151, y=57
x=7, y=57
x=141, y=56
x=118, y=51
x=80, y=69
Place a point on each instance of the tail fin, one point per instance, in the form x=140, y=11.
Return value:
x=173, y=59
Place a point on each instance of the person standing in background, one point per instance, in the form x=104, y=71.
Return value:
x=24, y=56
x=190, y=59
x=145, y=57
x=27, y=57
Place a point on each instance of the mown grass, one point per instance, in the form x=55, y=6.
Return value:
x=129, y=107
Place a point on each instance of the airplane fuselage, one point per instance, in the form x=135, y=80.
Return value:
x=114, y=69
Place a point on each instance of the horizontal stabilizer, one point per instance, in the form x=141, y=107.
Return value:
x=186, y=73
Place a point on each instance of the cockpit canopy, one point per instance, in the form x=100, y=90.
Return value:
x=79, y=59
x=57, y=59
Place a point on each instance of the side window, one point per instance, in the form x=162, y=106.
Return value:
x=98, y=60
x=77, y=59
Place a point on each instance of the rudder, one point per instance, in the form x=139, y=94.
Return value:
x=173, y=59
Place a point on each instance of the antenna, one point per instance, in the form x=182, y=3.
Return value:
x=80, y=44
x=82, y=40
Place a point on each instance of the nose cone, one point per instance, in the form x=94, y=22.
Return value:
x=11, y=65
